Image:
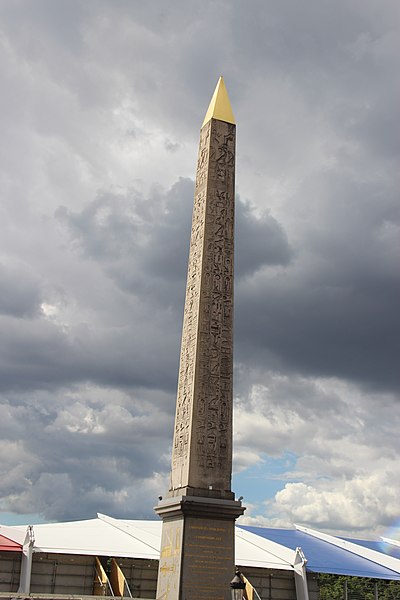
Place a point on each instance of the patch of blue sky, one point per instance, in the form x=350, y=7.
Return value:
x=10, y=518
x=263, y=480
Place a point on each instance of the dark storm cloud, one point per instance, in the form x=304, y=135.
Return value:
x=140, y=245
x=40, y=355
x=144, y=242
x=260, y=241
x=333, y=312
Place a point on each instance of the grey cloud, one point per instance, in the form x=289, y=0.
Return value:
x=39, y=355
x=99, y=447
x=20, y=291
x=260, y=241
x=333, y=310
x=171, y=146
x=63, y=21
x=105, y=229
x=55, y=496
x=312, y=89
x=144, y=242
x=373, y=125
x=323, y=424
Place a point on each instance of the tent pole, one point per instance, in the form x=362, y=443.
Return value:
x=375, y=590
x=26, y=562
x=300, y=575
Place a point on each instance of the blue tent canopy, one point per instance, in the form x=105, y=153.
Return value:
x=323, y=557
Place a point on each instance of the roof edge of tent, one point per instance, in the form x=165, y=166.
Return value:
x=379, y=558
x=93, y=552
x=9, y=545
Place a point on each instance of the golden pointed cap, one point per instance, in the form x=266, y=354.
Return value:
x=220, y=107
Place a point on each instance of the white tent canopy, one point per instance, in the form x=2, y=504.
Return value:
x=106, y=536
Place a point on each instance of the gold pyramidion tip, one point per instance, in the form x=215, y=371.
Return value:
x=220, y=107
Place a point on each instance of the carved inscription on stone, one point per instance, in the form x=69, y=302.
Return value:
x=209, y=550
x=203, y=425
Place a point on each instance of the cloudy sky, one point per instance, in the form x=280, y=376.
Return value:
x=101, y=106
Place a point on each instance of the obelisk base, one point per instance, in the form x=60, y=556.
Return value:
x=197, y=548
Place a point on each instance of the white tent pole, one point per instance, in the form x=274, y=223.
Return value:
x=300, y=575
x=389, y=541
x=26, y=562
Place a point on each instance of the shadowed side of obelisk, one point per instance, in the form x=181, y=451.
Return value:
x=200, y=511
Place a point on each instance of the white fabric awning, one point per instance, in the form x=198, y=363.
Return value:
x=106, y=536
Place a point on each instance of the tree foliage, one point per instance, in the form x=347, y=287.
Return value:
x=332, y=587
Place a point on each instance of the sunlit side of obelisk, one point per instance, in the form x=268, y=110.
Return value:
x=199, y=512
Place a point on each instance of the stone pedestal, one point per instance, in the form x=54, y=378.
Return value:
x=197, y=548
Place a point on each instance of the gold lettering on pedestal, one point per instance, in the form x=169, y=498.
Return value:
x=210, y=554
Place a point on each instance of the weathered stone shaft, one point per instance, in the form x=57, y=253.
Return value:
x=202, y=445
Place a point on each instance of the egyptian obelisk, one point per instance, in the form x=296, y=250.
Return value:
x=199, y=511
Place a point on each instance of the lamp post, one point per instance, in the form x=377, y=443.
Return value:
x=237, y=586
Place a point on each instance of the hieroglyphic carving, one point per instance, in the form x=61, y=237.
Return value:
x=203, y=425
x=214, y=383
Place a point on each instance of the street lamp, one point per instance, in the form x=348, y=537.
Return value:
x=237, y=586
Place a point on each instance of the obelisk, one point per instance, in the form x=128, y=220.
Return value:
x=199, y=512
